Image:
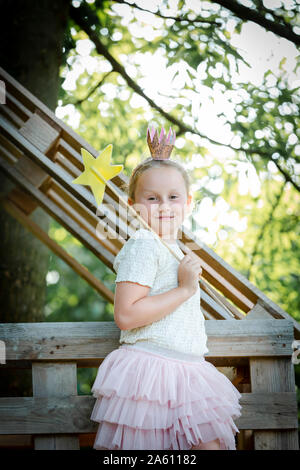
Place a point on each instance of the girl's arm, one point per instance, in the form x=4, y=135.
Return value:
x=134, y=308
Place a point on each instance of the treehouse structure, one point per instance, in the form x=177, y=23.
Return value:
x=250, y=338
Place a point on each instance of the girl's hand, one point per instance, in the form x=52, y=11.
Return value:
x=189, y=271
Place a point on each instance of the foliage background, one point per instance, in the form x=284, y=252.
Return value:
x=244, y=171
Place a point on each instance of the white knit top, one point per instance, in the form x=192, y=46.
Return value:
x=145, y=260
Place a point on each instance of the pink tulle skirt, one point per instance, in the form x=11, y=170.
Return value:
x=145, y=401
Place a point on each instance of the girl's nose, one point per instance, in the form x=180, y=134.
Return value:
x=164, y=205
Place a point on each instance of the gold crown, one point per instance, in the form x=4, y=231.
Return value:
x=162, y=146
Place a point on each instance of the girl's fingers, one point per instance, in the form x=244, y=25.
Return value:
x=192, y=262
x=187, y=258
x=190, y=253
x=186, y=249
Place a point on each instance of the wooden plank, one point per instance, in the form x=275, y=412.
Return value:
x=39, y=132
x=59, y=341
x=228, y=337
x=21, y=200
x=47, y=165
x=272, y=375
x=59, y=251
x=207, y=315
x=79, y=192
x=77, y=211
x=11, y=116
x=213, y=307
x=66, y=201
x=94, y=340
x=47, y=415
x=268, y=411
x=31, y=171
x=237, y=279
x=8, y=441
x=13, y=153
x=60, y=415
x=234, y=312
x=16, y=106
x=258, y=312
x=222, y=283
x=58, y=214
x=55, y=380
x=227, y=275
x=31, y=103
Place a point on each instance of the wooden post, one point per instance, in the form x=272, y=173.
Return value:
x=55, y=380
x=272, y=375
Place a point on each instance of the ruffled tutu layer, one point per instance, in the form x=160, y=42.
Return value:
x=146, y=401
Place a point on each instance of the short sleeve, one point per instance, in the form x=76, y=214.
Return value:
x=137, y=261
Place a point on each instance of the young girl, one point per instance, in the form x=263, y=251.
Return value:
x=157, y=391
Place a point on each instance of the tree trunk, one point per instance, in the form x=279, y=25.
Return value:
x=31, y=36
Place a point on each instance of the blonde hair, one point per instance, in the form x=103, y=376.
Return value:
x=152, y=163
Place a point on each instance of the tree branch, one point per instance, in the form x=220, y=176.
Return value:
x=265, y=224
x=286, y=175
x=80, y=15
x=249, y=14
x=175, y=18
x=79, y=102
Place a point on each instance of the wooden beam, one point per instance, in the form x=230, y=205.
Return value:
x=272, y=375
x=60, y=414
x=28, y=223
x=40, y=132
x=59, y=215
x=94, y=340
x=59, y=381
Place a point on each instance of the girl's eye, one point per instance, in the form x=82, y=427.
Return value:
x=153, y=198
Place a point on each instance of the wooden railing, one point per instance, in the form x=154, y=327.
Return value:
x=254, y=354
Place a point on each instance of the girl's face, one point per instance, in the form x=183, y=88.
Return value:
x=162, y=201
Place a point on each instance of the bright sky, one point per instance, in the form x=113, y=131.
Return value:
x=262, y=50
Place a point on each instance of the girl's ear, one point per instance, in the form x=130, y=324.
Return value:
x=189, y=202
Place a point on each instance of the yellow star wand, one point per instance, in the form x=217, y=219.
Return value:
x=97, y=173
